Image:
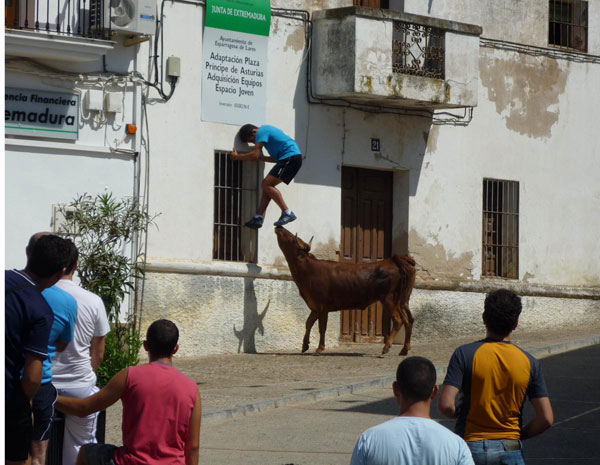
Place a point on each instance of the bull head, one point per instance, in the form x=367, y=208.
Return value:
x=291, y=245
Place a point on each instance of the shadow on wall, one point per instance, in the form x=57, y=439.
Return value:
x=253, y=321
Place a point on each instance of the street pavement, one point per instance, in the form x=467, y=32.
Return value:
x=304, y=409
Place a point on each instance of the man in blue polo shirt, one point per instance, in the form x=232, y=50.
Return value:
x=28, y=320
x=286, y=155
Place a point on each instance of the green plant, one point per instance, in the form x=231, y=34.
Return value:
x=104, y=229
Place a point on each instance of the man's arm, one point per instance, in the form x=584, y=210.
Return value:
x=254, y=155
x=192, y=445
x=97, y=347
x=32, y=375
x=446, y=403
x=544, y=417
x=103, y=399
x=61, y=345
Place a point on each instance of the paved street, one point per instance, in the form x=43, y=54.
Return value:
x=324, y=433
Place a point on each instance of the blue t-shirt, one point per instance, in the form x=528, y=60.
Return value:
x=410, y=441
x=64, y=307
x=28, y=319
x=278, y=143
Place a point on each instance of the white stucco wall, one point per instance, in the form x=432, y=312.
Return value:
x=532, y=125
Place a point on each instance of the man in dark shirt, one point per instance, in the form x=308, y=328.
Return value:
x=28, y=320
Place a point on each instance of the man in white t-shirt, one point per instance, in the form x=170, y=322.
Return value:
x=413, y=437
x=74, y=368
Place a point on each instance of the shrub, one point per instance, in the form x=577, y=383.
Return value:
x=104, y=228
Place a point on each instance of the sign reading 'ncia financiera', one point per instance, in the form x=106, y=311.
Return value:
x=41, y=114
x=234, y=61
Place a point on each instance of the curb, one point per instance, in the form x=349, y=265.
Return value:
x=243, y=410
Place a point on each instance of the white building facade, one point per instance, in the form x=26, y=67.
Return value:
x=463, y=135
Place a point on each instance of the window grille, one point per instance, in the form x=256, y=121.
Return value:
x=568, y=24
x=500, y=228
x=418, y=50
x=236, y=187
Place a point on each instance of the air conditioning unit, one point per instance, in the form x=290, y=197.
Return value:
x=129, y=17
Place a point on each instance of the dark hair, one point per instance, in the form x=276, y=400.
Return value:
x=501, y=311
x=73, y=256
x=162, y=337
x=245, y=132
x=416, y=377
x=47, y=255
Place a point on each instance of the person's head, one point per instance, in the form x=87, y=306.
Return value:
x=415, y=381
x=73, y=258
x=247, y=132
x=33, y=239
x=501, y=312
x=161, y=339
x=47, y=258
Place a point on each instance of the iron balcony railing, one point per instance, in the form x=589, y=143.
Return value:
x=418, y=50
x=82, y=18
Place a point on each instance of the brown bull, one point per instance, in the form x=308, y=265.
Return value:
x=328, y=286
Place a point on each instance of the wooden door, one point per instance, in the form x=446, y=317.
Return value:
x=366, y=237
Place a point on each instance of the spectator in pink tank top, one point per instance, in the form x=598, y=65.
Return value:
x=161, y=409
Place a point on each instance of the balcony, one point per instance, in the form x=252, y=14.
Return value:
x=71, y=30
x=386, y=58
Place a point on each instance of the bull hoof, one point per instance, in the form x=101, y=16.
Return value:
x=304, y=348
x=404, y=351
x=319, y=351
x=384, y=351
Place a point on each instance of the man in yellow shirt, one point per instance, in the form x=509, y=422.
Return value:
x=494, y=378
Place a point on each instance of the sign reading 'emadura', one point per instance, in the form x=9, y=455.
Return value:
x=41, y=114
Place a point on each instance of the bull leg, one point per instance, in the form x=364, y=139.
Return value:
x=396, y=325
x=322, y=328
x=408, y=320
x=310, y=321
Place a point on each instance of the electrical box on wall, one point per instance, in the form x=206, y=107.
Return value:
x=173, y=66
x=113, y=102
x=93, y=100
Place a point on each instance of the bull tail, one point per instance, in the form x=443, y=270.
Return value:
x=406, y=265
x=402, y=260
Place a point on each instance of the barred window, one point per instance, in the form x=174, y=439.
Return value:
x=568, y=24
x=236, y=189
x=500, y=228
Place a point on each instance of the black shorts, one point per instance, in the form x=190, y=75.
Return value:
x=287, y=168
x=43, y=411
x=17, y=430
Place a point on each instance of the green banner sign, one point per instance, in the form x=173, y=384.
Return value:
x=249, y=16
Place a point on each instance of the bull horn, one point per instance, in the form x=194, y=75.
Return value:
x=310, y=242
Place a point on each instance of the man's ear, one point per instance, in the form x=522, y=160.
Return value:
x=515, y=326
x=434, y=391
x=145, y=343
x=396, y=389
x=175, y=349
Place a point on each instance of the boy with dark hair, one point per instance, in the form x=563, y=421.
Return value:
x=28, y=321
x=495, y=377
x=413, y=437
x=286, y=155
x=161, y=408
